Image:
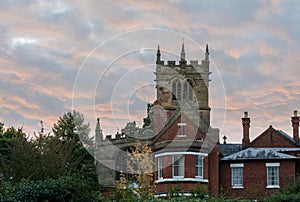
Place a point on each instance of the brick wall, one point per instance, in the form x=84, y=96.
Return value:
x=271, y=138
x=213, y=170
x=183, y=187
x=255, y=179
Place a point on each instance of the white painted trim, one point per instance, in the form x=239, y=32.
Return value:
x=159, y=167
x=181, y=135
x=181, y=180
x=165, y=195
x=188, y=194
x=180, y=153
x=160, y=195
x=273, y=187
x=197, y=166
x=237, y=187
x=181, y=124
x=236, y=165
x=272, y=164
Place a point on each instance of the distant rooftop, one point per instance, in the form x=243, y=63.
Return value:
x=261, y=153
x=228, y=149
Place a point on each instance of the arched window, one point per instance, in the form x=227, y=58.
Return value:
x=188, y=90
x=176, y=90
x=178, y=95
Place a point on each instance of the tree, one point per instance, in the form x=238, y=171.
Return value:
x=73, y=131
x=71, y=127
x=19, y=157
x=7, y=137
x=44, y=157
x=147, y=120
x=47, y=156
x=140, y=164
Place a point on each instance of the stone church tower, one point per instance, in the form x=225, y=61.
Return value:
x=185, y=147
x=184, y=81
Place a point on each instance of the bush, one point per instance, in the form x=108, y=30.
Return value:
x=283, y=198
x=65, y=188
x=290, y=193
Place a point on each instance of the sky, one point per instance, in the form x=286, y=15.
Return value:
x=98, y=57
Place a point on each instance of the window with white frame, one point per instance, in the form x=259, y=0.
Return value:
x=272, y=175
x=181, y=129
x=159, y=168
x=178, y=166
x=237, y=175
x=199, y=166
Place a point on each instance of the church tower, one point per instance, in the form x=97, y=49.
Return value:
x=183, y=81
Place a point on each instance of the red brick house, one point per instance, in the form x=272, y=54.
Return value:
x=262, y=166
x=185, y=147
x=186, y=150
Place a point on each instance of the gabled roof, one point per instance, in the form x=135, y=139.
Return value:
x=286, y=136
x=261, y=154
x=269, y=134
x=186, y=107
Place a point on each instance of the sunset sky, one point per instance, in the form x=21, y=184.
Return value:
x=98, y=57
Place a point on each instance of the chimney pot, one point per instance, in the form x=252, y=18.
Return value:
x=246, y=126
x=295, y=125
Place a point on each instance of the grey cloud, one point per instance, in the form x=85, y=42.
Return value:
x=8, y=4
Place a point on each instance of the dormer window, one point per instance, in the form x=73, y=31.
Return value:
x=181, y=129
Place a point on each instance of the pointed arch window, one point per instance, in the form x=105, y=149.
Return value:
x=176, y=90
x=188, y=90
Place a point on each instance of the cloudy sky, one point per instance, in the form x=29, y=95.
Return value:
x=98, y=57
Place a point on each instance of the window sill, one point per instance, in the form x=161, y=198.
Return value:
x=238, y=187
x=273, y=187
x=181, y=180
x=178, y=177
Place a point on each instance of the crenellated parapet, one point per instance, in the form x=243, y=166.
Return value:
x=180, y=80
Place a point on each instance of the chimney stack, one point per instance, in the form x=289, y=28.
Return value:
x=246, y=126
x=295, y=124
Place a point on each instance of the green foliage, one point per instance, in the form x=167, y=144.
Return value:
x=147, y=120
x=19, y=159
x=290, y=193
x=123, y=191
x=49, y=168
x=8, y=137
x=74, y=132
x=35, y=160
x=199, y=191
x=65, y=188
x=71, y=127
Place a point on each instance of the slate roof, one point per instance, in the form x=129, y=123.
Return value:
x=228, y=149
x=261, y=154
